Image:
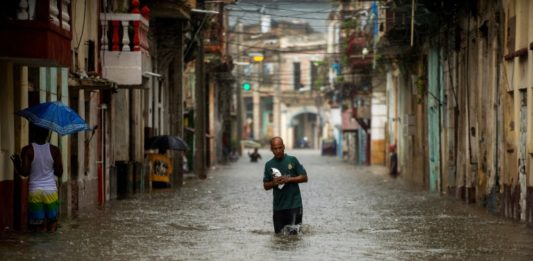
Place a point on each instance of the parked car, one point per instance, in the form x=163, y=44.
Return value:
x=329, y=147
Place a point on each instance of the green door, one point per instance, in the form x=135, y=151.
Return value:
x=434, y=115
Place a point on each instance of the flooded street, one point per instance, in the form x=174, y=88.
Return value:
x=350, y=212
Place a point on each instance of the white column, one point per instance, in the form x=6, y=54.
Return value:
x=22, y=13
x=162, y=125
x=52, y=90
x=64, y=144
x=81, y=136
x=7, y=115
x=24, y=124
x=54, y=12
x=52, y=83
x=276, y=114
x=157, y=107
x=284, y=124
x=150, y=105
x=289, y=141
x=256, y=113
x=42, y=83
x=31, y=9
x=64, y=15
x=125, y=36
x=103, y=41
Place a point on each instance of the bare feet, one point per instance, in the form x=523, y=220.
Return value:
x=52, y=227
x=40, y=228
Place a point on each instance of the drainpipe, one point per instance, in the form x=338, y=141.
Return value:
x=199, y=150
x=467, y=88
x=468, y=132
x=413, y=7
x=496, y=188
x=440, y=113
x=102, y=162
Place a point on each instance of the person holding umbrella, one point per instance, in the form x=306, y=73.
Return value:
x=41, y=161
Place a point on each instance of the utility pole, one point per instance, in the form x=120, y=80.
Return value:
x=276, y=100
x=177, y=106
x=200, y=104
x=240, y=101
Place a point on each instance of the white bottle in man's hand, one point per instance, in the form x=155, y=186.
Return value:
x=276, y=173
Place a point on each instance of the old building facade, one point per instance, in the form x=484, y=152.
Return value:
x=281, y=69
x=129, y=69
x=458, y=94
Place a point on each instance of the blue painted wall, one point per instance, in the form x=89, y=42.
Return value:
x=434, y=98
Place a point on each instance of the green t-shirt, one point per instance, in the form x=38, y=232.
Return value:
x=289, y=196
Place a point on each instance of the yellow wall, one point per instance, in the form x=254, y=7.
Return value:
x=7, y=143
x=84, y=30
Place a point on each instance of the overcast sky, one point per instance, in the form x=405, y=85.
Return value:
x=315, y=12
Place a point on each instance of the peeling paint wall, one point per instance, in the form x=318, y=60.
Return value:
x=480, y=114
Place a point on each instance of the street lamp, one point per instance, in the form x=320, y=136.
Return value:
x=194, y=10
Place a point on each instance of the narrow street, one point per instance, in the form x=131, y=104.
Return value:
x=350, y=212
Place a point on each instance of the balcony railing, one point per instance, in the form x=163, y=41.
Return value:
x=57, y=12
x=124, y=32
x=124, y=46
x=39, y=31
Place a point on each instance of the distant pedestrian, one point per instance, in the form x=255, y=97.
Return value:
x=254, y=156
x=288, y=208
x=393, y=161
x=233, y=155
x=41, y=161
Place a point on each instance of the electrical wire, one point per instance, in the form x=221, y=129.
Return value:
x=83, y=24
x=294, y=10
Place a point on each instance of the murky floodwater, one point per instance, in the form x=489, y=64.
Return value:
x=349, y=213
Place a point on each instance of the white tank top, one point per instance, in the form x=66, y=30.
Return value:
x=42, y=169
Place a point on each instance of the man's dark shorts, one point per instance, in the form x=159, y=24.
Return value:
x=285, y=217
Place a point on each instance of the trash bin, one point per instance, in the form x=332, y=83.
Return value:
x=112, y=182
x=131, y=177
x=138, y=170
x=329, y=147
x=123, y=179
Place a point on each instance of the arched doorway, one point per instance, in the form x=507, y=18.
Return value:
x=306, y=134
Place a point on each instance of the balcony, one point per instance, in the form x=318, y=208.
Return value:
x=358, y=52
x=124, y=47
x=38, y=32
x=214, y=35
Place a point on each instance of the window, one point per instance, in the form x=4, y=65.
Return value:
x=297, y=76
x=268, y=73
x=314, y=75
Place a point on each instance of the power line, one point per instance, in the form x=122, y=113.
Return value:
x=284, y=76
x=257, y=22
x=297, y=11
x=280, y=50
x=389, y=41
x=285, y=2
x=325, y=11
x=286, y=16
x=240, y=10
x=314, y=19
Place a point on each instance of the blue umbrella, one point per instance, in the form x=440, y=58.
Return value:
x=55, y=116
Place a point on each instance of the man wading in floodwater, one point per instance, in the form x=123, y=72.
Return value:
x=283, y=173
